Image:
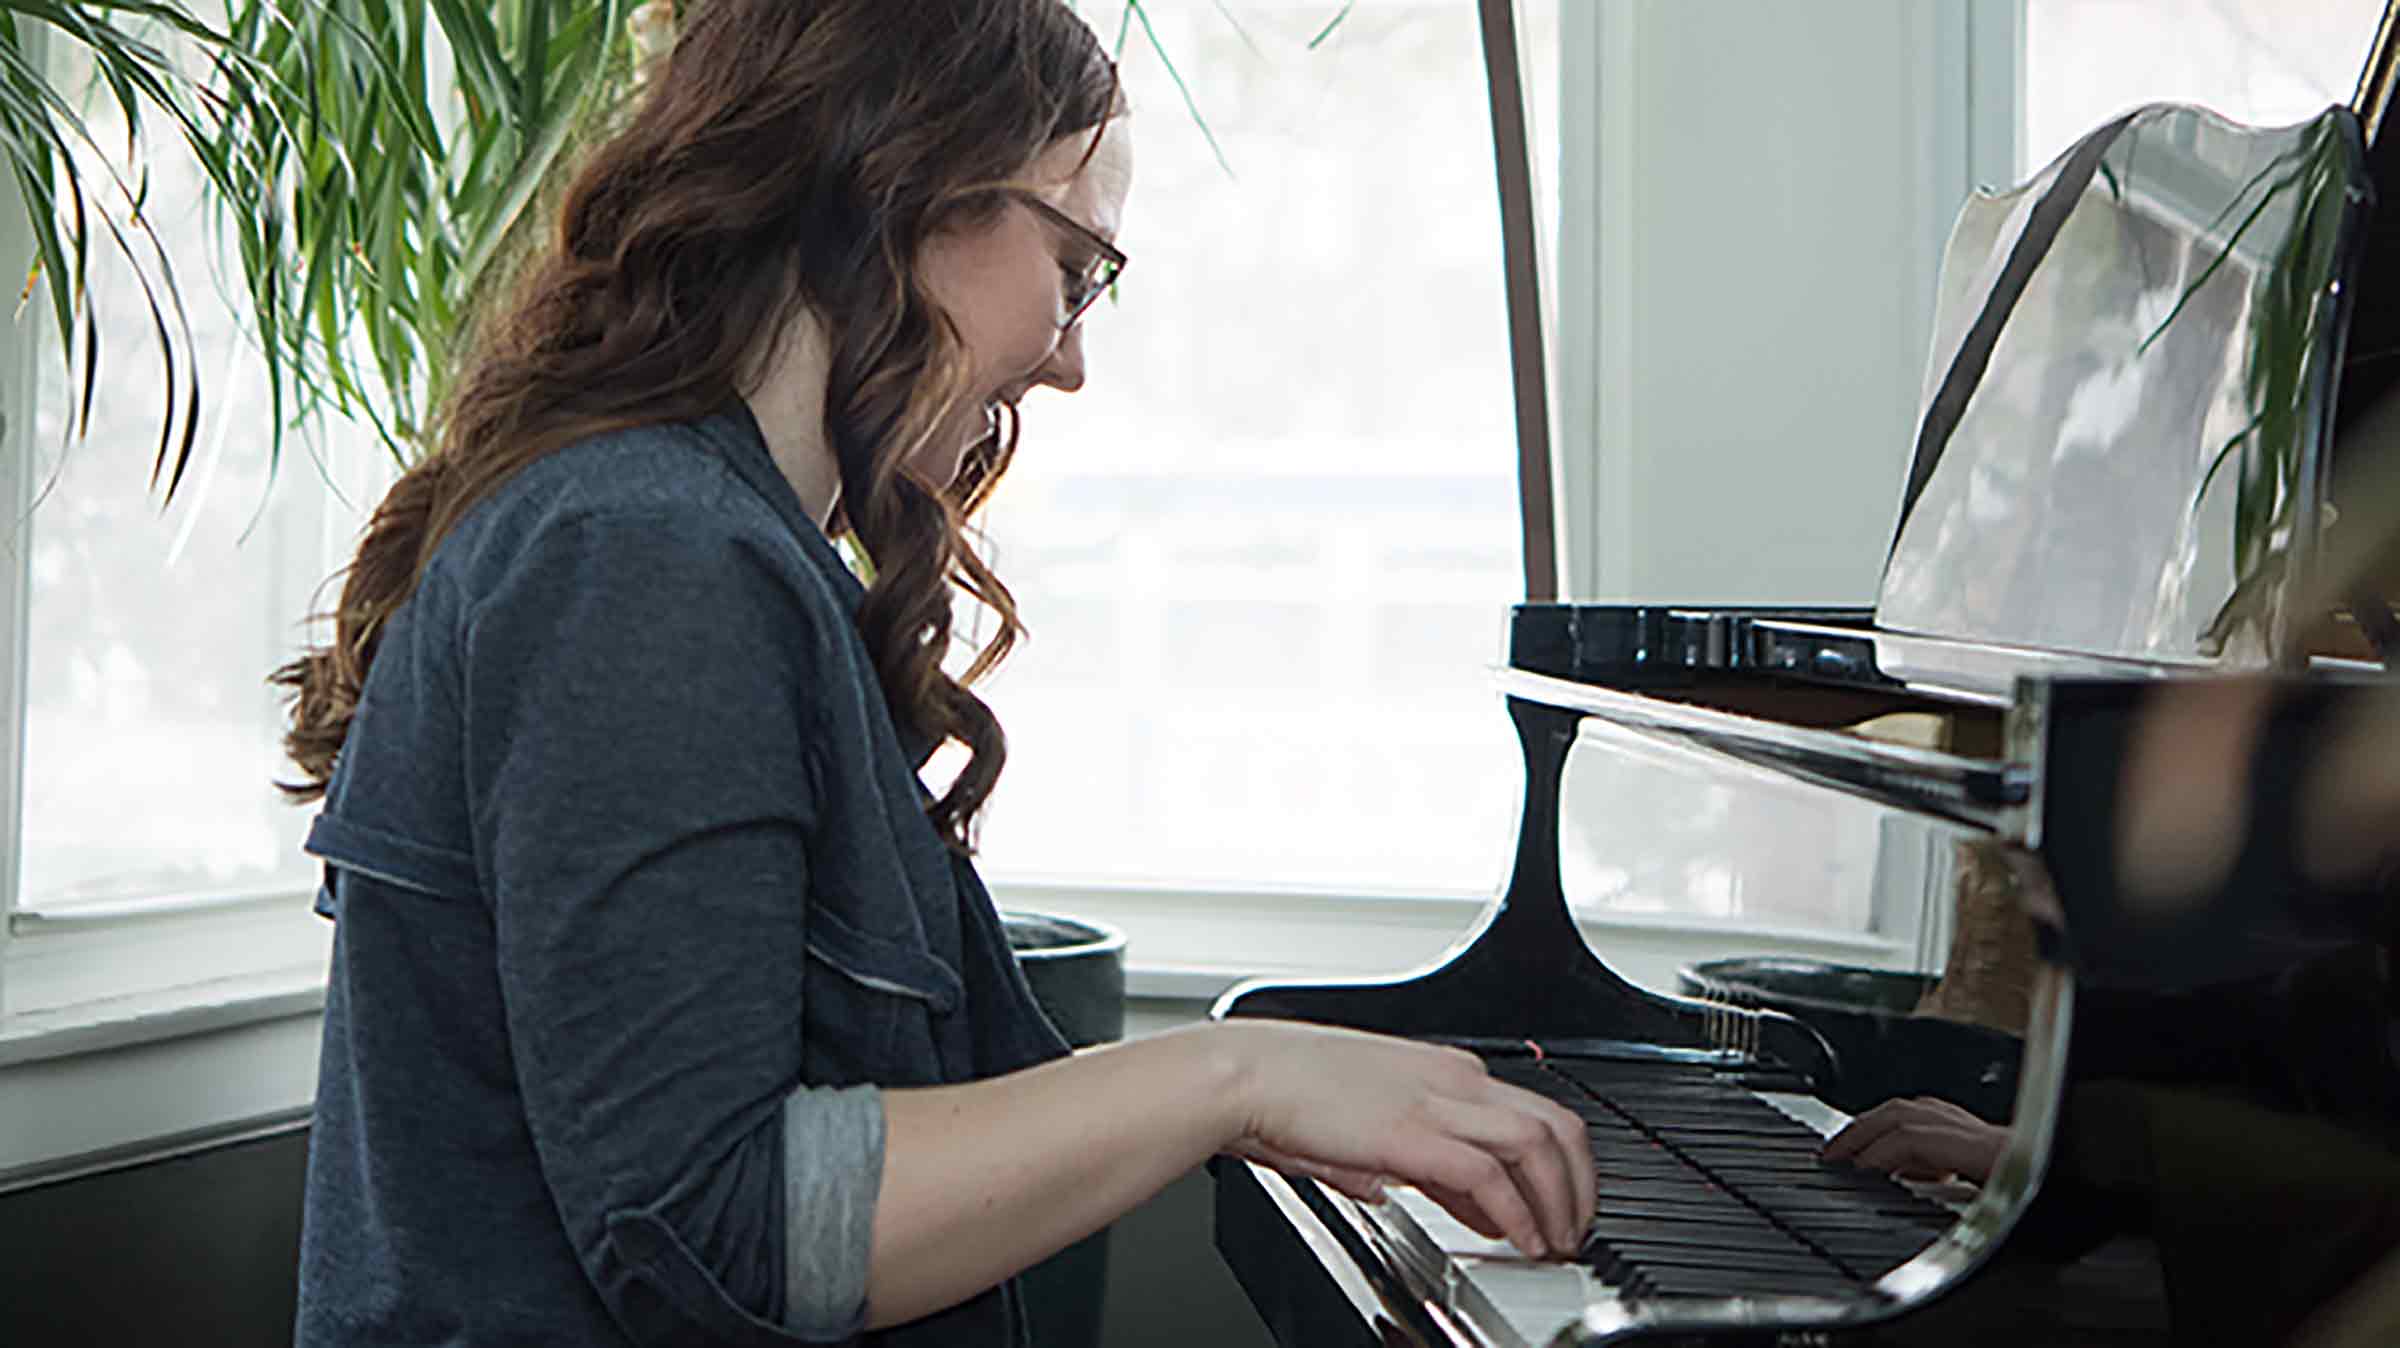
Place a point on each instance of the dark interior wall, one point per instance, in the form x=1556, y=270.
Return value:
x=1167, y=1286
x=199, y=1250
x=194, y=1250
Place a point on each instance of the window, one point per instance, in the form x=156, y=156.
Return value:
x=150, y=737
x=2267, y=62
x=1267, y=555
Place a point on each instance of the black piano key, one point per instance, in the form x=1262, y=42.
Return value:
x=1894, y=1247
x=1642, y=1207
x=1687, y=1283
x=1762, y=1164
x=1801, y=1203
x=1753, y=1144
x=1696, y=1192
x=1768, y=1123
x=1871, y=1191
x=1761, y=1239
x=1871, y=1264
x=1865, y=1257
x=1746, y=1262
x=1668, y=1254
x=1799, y=1208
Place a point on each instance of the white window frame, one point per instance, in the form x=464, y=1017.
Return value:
x=129, y=1029
x=167, y=1024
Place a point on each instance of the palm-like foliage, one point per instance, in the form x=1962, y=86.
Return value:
x=389, y=201
x=371, y=162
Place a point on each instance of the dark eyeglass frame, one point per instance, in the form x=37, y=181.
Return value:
x=1098, y=275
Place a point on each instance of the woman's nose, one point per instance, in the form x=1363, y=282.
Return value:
x=1063, y=368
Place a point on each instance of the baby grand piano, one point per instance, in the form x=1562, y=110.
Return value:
x=2124, y=483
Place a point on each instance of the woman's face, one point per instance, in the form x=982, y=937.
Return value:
x=1004, y=282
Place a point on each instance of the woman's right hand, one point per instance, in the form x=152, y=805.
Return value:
x=1359, y=1110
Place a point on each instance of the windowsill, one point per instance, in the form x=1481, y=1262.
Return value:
x=163, y=1014
x=1221, y=937
x=125, y=1081
x=134, y=1032
x=89, y=965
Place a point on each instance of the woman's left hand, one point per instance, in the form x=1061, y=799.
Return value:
x=1920, y=1139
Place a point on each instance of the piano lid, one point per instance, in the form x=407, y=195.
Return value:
x=2122, y=452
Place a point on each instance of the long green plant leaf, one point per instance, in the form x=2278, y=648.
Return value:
x=366, y=202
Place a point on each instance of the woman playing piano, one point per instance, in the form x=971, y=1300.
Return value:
x=665, y=1004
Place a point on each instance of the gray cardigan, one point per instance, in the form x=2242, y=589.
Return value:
x=636, y=910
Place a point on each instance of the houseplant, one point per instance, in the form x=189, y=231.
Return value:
x=374, y=163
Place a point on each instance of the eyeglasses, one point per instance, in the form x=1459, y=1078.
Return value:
x=1087, y=279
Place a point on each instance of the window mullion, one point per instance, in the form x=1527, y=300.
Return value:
x=18, y=348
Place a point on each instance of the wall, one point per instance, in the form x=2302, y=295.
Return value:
x=194, y=1250
x=1167, y=1286
x=1752, y=215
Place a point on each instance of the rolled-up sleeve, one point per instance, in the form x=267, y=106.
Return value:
x=825, y=1278
x=635, y=688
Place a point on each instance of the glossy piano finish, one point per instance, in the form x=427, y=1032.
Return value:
x=1986, y=792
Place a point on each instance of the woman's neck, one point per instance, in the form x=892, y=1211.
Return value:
x=788, y=401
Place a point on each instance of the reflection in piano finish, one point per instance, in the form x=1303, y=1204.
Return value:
x=2145, y=431
x=2119, y=489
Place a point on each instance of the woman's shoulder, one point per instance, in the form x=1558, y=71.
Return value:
x=662, y=489
x=663, y=471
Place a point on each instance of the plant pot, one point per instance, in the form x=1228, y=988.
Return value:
x=1077, y=970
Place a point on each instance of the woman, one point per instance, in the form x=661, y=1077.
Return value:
x=665, y=1006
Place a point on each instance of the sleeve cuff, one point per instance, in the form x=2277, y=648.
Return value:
x=832, y=1174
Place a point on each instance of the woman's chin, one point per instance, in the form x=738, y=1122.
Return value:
x=939, y=469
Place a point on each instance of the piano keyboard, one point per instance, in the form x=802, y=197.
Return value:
x=1706, y=1190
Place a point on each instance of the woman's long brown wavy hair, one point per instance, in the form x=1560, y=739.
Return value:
x=788, y=154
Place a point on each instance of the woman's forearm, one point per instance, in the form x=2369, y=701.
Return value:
x=984, y=1179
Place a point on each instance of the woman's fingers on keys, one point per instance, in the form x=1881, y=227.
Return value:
x=1521, y=1141
x=1919, y=1138
x=1575, y=1143
x=1845, y=1145
x=1451, y=1168
x=1919, y=1150
x=1868, y=1128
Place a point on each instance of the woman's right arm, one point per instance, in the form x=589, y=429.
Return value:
x=638, y=786
x=982, y=1180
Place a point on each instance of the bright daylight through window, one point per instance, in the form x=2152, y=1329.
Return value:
x=2269, y=62
x=152, y=739
x=1267, y=555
